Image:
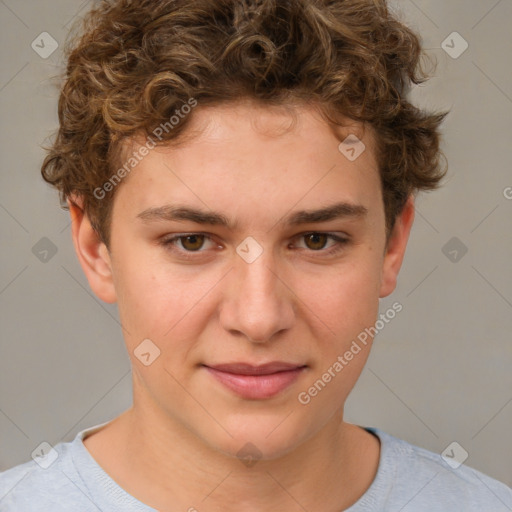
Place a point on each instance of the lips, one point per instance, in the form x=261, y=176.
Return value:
x=256, y=382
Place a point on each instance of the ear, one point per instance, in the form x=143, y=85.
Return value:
x=395, y=249
x=92, y=253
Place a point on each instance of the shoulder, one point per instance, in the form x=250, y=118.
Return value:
x=50, y=485
x=419, y=479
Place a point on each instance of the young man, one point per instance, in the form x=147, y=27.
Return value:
x=240, y=177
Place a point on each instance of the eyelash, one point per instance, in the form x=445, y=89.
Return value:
x=341, y=242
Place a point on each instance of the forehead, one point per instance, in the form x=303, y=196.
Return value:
x=245, y=124
x=246, y=157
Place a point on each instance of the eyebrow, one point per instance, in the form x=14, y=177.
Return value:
x=185, y=213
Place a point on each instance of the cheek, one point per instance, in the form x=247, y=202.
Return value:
x=158, y=301
x=344, y=299
x=347, y=305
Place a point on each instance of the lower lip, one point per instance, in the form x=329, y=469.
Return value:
x=257, y=387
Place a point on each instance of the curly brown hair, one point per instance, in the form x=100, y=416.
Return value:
x=134, y=63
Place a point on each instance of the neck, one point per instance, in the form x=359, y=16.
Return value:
x=166, y=466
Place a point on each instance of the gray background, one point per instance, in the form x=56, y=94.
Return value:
x=439, y=372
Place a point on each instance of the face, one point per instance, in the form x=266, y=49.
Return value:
x=252, y=256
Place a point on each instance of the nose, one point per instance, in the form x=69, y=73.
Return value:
x=258, y=305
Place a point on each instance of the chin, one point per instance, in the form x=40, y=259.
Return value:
x=266, y=438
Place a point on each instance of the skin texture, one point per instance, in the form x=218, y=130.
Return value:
x=176, y=448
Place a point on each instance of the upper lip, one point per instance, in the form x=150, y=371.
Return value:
x=249, y=369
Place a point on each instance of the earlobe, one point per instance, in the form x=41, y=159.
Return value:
x=395, y=249
x=92, y=253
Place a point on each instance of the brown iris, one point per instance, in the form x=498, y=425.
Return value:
x=192, y=242
x=316, y=241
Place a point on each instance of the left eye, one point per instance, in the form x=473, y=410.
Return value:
x=317, y=241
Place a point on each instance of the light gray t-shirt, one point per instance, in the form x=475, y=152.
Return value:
x=409, y=479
